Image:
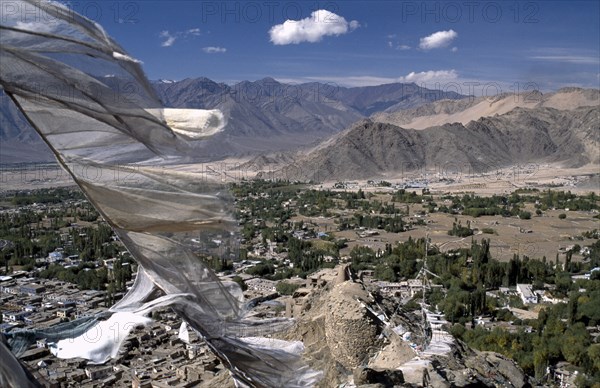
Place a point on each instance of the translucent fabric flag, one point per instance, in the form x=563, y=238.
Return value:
x=93, y=106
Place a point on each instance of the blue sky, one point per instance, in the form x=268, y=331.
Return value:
x=541, y=44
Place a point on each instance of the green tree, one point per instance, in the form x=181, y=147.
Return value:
x=524, y=215
x=385, y=273
x=540, y=362
x=286, y=288
x=572, y=307
x=593, y=353
x=574, y=344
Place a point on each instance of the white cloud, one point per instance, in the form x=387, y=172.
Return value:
x=424, y=78
x=429, y=76
x=359, y=80
x=311, y=29
x=214, y=50
x=446, y=80
x=454, y=49
x=394, y=44
x=578, y=59
x=437, y=40
x=169, y=38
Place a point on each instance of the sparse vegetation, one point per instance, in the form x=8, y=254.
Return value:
x=459, y=230
x=286, y=288
x=524, y=215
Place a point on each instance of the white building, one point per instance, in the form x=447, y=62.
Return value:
x=55, y=257
x=526, y=293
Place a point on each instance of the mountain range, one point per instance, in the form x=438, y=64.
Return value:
x=326, y=132
x=262, y=116
x=267, y=115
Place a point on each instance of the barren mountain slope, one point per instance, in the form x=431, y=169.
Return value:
x=371, y=149
x=465, y=110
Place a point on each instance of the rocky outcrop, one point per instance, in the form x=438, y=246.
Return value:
x=350, y=331
x=344, y=339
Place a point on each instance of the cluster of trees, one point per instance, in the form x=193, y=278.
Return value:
x=404, y=196
x=475, y=206
x=34, y=234
x=559, y=334
x=465, y=273
x=86, y=276
x=315, y=203
x=92, y=243
x=394, y=224
x=392, y=263
x=591, y=234
x=257, y=187
x=264, y=200
x=306, y=258
x=459, y=230
x=89, y=243
x=562, y=200
x=517, y=345
x=512, y=205
x=319, y=202
x=352, y=201
x=265, y=208
x=475, y=266
x=17, y=224
x=121, y=274
x=263, y=269
x=45, y=196
x=89, y=277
